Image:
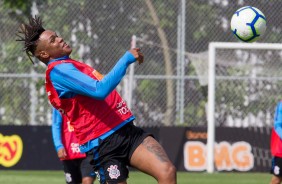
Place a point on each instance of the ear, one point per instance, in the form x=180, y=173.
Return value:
x=44, y=55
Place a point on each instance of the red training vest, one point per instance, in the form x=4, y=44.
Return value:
x=90, y=117
x=275, y=144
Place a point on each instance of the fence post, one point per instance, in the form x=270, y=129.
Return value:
x=131, y=76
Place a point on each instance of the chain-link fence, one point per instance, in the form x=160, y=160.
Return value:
x=167, y=88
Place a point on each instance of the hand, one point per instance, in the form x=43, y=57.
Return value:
x=62, y=153
x=136, y=52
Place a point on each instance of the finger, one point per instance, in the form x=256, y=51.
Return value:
x=65, y=153
x=137, y=49
x=140, y=59
x=60, y=156
x=141, y=54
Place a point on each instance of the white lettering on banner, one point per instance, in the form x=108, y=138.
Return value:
x=237, y=156
x=75, y=148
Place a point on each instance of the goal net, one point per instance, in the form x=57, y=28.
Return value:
x=244, y=85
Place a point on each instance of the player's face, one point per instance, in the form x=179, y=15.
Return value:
x=51, y=46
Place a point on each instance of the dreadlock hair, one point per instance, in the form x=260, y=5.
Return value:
x=29, y=34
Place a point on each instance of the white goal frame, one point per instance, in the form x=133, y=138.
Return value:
x=211, y=88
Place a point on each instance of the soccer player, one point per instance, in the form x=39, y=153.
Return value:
x=76, y=166
x=101, y=119
x=276, y=146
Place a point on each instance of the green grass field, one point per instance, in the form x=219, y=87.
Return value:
x=57, y=177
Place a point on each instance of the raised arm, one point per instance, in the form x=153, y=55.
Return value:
x=67, y=79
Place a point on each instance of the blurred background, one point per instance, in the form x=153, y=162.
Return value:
x=170, y=88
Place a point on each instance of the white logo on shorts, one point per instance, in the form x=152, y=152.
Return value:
x=68, y=177
x=276, y=170
x=114, y=173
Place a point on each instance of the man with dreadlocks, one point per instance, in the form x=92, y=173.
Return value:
x=103, y=124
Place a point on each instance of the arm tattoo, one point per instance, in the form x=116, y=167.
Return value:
x=154, y=147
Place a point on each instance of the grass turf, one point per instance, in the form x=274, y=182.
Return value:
x=57, y=177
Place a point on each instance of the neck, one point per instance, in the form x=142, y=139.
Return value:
x=58, y=59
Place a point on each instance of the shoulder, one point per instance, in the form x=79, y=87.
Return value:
x=66, y=65
x=63, y=69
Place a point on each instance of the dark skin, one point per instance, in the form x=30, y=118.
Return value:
x=149, y=157
x=276, y=180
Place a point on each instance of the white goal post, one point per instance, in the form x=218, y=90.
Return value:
x=211, y=88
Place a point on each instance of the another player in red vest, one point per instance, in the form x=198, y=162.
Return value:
x=101, y=119
x=77, y=167
x=276, y=146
